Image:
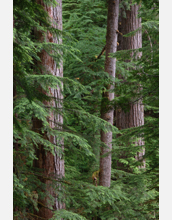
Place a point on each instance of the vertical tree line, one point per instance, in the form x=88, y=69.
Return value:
x=107, y=110
x=47, y=161
x=134, y=117
x=85, y=118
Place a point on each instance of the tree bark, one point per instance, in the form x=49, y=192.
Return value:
x=51, y=165
x=107, y=110
x=135, y=116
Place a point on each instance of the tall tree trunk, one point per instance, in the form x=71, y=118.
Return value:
x=51, y=165
x=57, y=93
x=107, y=111
x=135, y=116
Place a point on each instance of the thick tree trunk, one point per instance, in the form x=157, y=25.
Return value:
x=52, y=166
x=135, y=116
x=107, y=111
x=127, y=24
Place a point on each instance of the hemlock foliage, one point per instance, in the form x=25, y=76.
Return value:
x=132, y=195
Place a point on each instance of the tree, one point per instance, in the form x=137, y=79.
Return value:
x=126, y=88
x=130, y=22
x=47, y=161
x=36, y=80
x=107, y=111
x=131, y=195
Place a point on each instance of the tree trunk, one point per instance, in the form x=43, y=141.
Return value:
x=51, y=165
x=107, y=111
x=135, y=116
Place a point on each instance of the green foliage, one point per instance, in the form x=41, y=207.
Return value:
x=30, y=79
x=67, y=215
x=133, y=193
x=148, y=67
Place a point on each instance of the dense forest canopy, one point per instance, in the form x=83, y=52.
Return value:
x=86, y=109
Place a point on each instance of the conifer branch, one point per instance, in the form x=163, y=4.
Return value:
x=144, y=95
x=45, y=206
x=49, y=178
x=149, y=38
x=36, y=216
x=102, y=52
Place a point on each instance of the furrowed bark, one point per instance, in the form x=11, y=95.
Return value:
x=135, y=116
x=107, y=111
x=50, y=164
x=57, y=93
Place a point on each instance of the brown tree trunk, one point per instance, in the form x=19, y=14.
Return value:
x=135, y=116
x=51, y=165
x=107, y=111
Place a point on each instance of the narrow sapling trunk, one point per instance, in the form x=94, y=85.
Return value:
x=107, y=110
